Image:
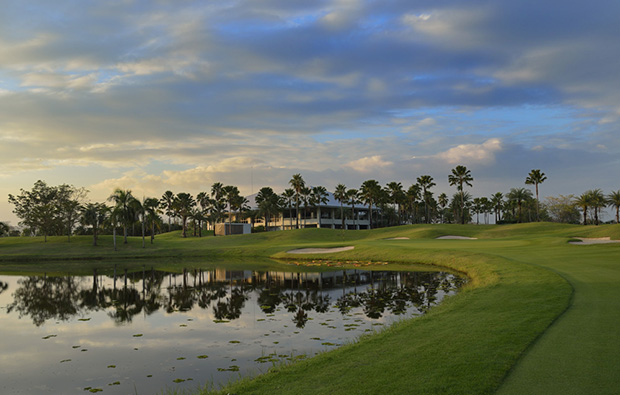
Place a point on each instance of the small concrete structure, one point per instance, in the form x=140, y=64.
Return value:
x=234, y=228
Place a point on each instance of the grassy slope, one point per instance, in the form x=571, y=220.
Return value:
x=467, y=345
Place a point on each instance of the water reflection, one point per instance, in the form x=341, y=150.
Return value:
x=139, y=332
x=127, y=295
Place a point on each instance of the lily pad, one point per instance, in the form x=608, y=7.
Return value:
x=202, y=357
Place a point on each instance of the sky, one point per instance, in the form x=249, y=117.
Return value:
x=160, y=95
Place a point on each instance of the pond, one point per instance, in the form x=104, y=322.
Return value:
x=145, y=331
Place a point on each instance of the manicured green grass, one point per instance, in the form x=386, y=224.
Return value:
x=538, y=316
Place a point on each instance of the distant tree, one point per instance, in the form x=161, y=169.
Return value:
x=613, y=199
x=519, y=196
x=297, y=183
x=70, y=201
x=353, y=199
x=426, y=183
x=318, y=197
x=42, y=208
x=4, y=229
x=166, y=202
x=562, y=209
x=183, y=205
x=442, y=201
x=497, y=200
x=536, y=177
x=219, y=205
x=583, y=201
x=340, y=194
x=288, y=197
x=413, y=195
x=122, y=200
x=151, y=208
x=397, y=196
x=461, y=176
x=597, y=202
x=94, y=215
x=370, y=193
x=268, y=203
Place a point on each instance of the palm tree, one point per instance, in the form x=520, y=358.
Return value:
x=534, y=178
x=497, y=200
x=268, y=203
x=230, y=193
x=613, y=199
x=297, y=183
x=217, y=193
x=183, y=204
x=288, y=196
x=442, y=200
x=319, y=196
x=166, y=201
x=304, y=198
x=353, y=199
x=151, y=206
x=369, y=194
x=597, y=202
x=413, y=195
x=397, y=195
x=584, y=201
x=122, y=204
x=140, y=210
x=426, y=183
x=340, y=194
x=206, y=205
x=519, y=196
x=94, y=214
x=461, y=175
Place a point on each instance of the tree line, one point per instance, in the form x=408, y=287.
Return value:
x=47, y=210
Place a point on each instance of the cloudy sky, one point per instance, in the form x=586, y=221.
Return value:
x=179, y=94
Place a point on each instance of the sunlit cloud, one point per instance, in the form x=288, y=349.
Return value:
x=472, y=153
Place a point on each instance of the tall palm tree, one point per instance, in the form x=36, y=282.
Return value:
x=318, y=197
x=151, y=206
x=534, y=178
x=140, y=211
x=94, y=214
x=353, y=199
x=268, y=203
x=165, y=202
x=340, y=194
x=584, y=201
x=122, y=204
x=442, y=200
x=461, y=175
x=369, y=194
x=519, y=196
x=497, y=200
x=297, y=183
x=426, y=183
x=397, y=195
x=413, y=195
x=219, y=205
x=288, y=196
x=597, y=202
x=230, y=193
x=183, y=204
x=613, y=199
x=304, y=198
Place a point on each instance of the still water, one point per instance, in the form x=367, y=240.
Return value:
x=143, y=332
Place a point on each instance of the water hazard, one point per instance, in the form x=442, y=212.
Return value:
x=146, y=331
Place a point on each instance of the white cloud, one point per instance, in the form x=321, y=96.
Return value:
x=472, y=153
x=369, y=164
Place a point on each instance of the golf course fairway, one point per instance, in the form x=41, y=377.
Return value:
x=537, y=316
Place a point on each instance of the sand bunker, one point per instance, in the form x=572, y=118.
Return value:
x=398, y=238
x=319, y=250
x=597, y=240
x=455, y=238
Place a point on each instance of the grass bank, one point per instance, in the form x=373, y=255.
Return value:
x=533, y=299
